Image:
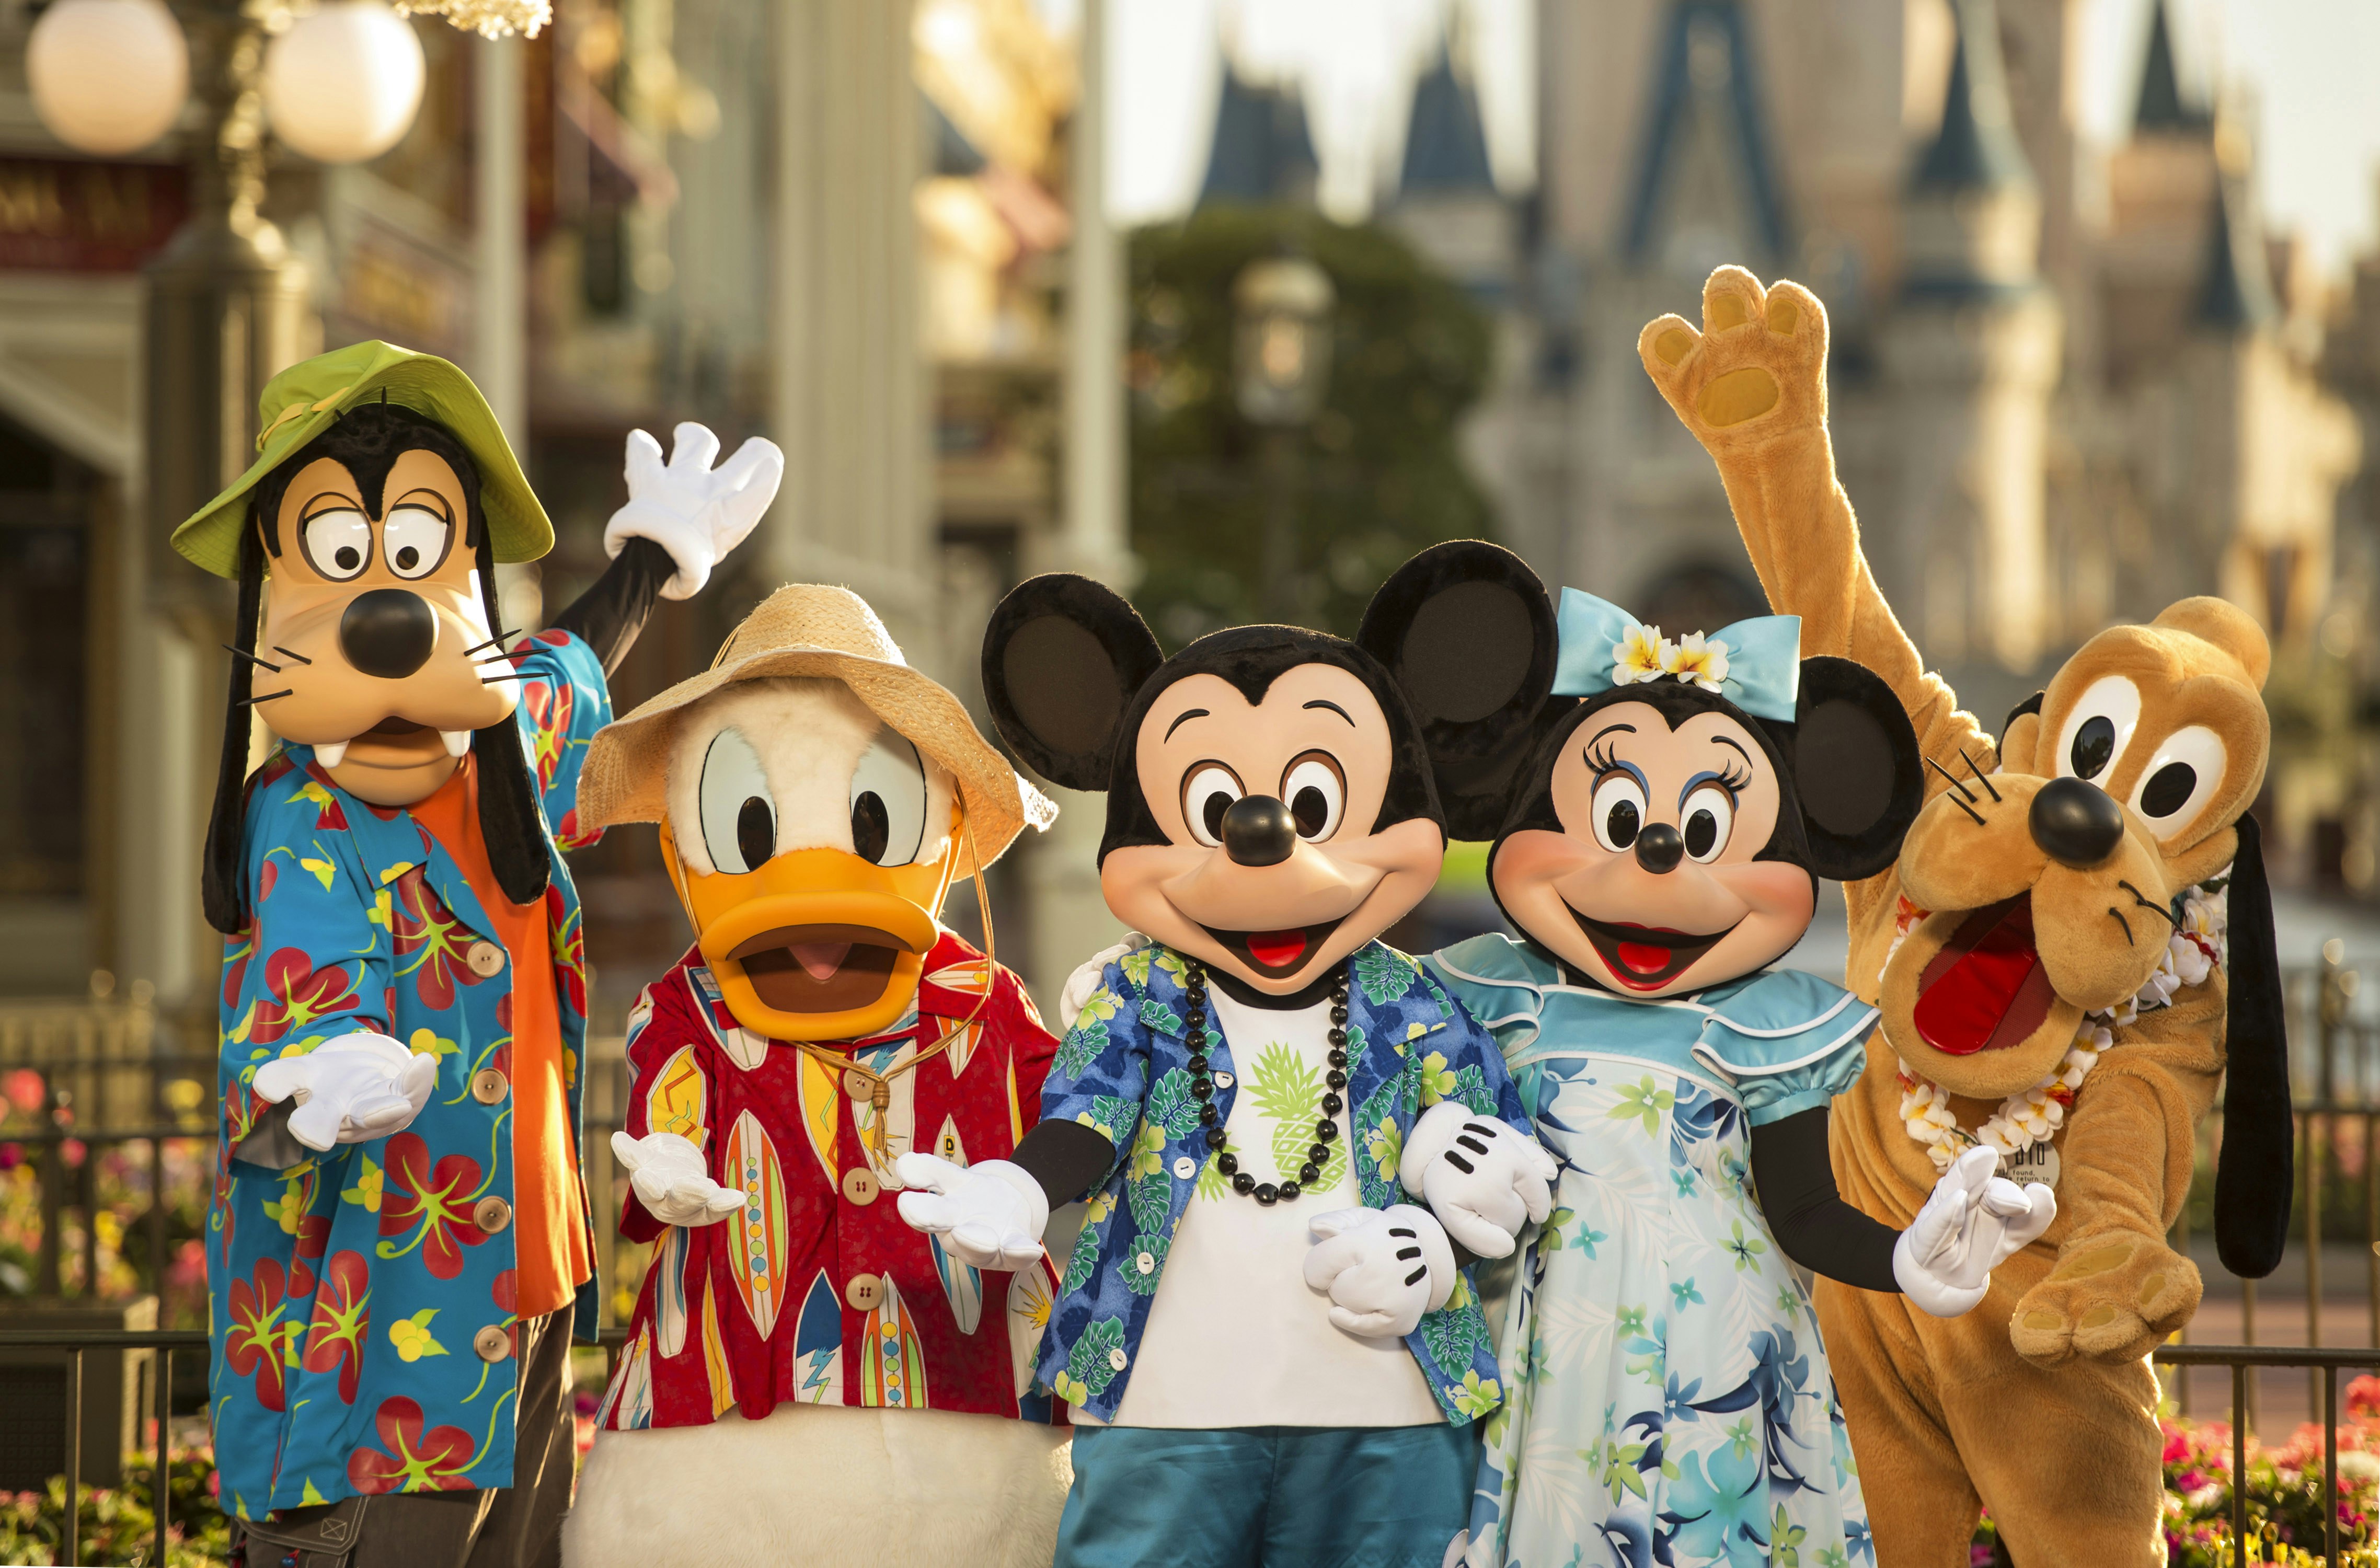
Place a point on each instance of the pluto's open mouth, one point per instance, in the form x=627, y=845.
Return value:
x=818, y=968
x=1986, y=990
x=1646, y=958
x=1277, y=955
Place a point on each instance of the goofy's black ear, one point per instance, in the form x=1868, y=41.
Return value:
x=1467, y=633
x=223, y=878
x=2254, y=1175
x=1061, y=659
x=1855, y=768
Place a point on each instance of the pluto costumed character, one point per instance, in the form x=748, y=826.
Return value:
x=808, y=1381
x=398, y=1246
x=2074, y=948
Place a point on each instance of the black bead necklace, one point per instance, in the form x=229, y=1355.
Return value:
x=1202, y=1086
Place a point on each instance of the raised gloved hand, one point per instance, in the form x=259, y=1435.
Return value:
x=351, y=1089
x=1085, y=977
x=989, y=1214
x=694, y=511
x=1481, y=1179
x=1972, y=1223
x=1382, y=1267
x=670, y=1180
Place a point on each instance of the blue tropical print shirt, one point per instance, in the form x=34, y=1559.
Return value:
x=1122, y=1070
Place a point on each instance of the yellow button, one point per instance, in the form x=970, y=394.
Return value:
x=861, y=1186
x=863, y=1292
x=488, y=1085
x=485, y=958
x=858, y=1085
x=492, y=1214
x=493, y=1344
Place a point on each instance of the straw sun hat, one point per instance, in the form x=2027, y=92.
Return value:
x=808, y=629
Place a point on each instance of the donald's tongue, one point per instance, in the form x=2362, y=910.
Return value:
x=820, y=958
x=1276, y=950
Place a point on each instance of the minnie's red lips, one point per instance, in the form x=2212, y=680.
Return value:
x=1276, y=950
x=1646, y=958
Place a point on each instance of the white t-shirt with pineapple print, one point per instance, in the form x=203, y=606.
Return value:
x=1235, y=1337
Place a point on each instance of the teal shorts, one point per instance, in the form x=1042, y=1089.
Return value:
x=1266, y=1497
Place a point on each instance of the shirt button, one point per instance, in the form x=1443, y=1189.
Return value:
x=1116, y=1358
x=488, y=1085
x=1146, y=1263
x=858, y=1085
x=861, y=1186
x=492, y=1343
x=484, y=958
x=863, y=1292
x=1184, y=1168
x=492, y=1214
x=1222, y=1080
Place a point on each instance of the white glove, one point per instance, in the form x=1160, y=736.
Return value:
x=694, y=511
x=1972, y=1223
x=990, y=1214
x=351, y=1089
x=1481, y=1179
x=1085, y=977
x=670, y=1180
x=1384, y=1268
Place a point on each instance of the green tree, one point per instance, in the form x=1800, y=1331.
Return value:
x=1377, y=475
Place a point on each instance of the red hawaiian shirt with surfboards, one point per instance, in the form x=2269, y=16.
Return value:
x=816, y=1292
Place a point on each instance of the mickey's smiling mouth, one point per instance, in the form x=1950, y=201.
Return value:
x=1276, y=956
x=1646, y=958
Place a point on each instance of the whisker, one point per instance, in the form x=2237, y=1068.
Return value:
x=1980, y=777
x=491, y=642
x=490, y=680
x=1964, y=793
x=2141, y=899
x=244, y=653
x=266, y=698
x=289, y=654
x=1963, y=806
x=2121, y=921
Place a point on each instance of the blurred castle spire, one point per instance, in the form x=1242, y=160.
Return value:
x=1261, y=151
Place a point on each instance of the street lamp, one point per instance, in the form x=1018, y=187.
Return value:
x=1280, y=367
x=343, y=84
x=108, y=75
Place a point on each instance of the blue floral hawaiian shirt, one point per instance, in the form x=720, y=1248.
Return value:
x=1124, y=1070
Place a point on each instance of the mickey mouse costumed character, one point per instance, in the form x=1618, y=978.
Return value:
x=399, y=1229
x=1271, y=1355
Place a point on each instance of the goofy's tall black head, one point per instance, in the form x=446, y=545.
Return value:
x=1277, y=798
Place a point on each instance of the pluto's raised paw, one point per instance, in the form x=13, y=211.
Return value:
x=1757, y=369
x=2111, y=1297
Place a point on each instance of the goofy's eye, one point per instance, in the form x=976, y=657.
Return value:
x=1207, y=794
x=739, y=823
x=1708, y=819
x=2094, y=733
x=1618, y=810
x=1316, y=793
x=888, y=802
x=338, y=543
x=416, y=541
x=2181, y=774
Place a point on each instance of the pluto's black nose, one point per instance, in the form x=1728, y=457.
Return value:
x=2076, y=824
x=388, y=632
x=1258, y=831
x=1658, y=848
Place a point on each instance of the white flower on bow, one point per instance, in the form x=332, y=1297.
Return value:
x=1697, y=661
x=1644, y=654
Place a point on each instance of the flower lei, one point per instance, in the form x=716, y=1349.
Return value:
x=1644, y=654
x=2191, y=953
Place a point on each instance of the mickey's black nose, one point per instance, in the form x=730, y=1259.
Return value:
x=1258, y=831
x=388, y=632
x=1658, y=848
x=2076, y=824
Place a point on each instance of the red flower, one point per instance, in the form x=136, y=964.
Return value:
x=275, y=766
x=423, y=925
x=415, y=1460
x=253, y=1344
x=569, y=938
x=2364, y=1397
x=548, y=708
x=342, y=1319
x=436, y=1205
x=297, y=993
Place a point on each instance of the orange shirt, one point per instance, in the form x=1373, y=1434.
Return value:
x=550, y=1239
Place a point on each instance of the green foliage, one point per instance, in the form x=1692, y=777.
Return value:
x=1377, y=475
x=118, y=1525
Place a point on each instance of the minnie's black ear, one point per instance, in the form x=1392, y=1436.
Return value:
x=2255, y=1176
x=1061, y=659
x=1467, y=633
x=1855, y=768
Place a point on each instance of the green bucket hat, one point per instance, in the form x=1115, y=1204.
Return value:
x=302, y=401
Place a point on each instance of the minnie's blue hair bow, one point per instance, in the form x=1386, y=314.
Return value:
x=1755, y=664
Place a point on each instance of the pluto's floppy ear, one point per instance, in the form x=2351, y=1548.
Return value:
x=1855, y=769
x=2253, y=1177
x=1061, y=659
x=1467, y=633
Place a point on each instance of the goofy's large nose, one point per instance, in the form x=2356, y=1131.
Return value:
x=1258, y=831
x=388, y=632
x=2075, y=823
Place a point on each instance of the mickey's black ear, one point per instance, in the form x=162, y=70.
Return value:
x=1467, y=632
x=1061, y=659
x=2254, y=1175
x=1855, y=767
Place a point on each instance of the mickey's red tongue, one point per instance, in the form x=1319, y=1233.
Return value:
x=1986, y=989
x=1276, y=950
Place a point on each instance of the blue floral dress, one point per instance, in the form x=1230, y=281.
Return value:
x=1668, y=1398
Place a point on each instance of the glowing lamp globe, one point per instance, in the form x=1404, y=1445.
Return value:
x=342, y=83
x=108, y=77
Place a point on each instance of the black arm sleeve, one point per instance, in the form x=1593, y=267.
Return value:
x=608, y=616
x=1067, y=1158
x=1807, y=1216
